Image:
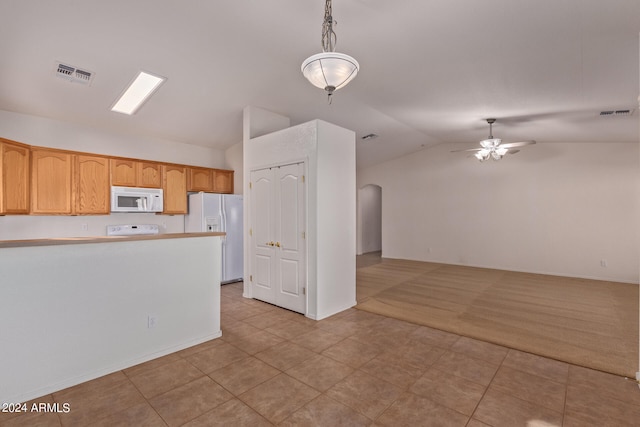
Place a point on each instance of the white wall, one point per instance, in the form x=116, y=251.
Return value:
x=556, y=208
x=233, y=160
x=44, y=132
x=369, y=219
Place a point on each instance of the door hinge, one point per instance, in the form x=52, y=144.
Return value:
x=304, y=235
x=302, y=178
x=304, y=291
x=250, y=185
x=251, y=232
x=251, y=277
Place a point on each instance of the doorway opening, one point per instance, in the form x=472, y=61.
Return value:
x=369, y=219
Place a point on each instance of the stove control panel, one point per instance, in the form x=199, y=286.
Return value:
x=132, y=230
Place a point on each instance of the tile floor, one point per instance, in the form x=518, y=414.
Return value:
x=275, y=367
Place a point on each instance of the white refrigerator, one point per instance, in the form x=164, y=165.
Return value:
x=220, y=212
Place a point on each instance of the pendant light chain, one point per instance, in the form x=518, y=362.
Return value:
x=329, y=37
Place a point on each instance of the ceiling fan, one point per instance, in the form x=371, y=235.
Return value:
x=493, y=147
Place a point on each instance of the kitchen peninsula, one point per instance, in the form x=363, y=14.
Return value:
x=74, y=309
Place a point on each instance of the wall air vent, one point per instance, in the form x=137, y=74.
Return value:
x=369, y=137
x=616, y=113
x=73, y=74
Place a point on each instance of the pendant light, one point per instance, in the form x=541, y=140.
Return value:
x=329, y=70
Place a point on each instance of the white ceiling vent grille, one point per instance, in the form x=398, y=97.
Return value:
x=73, y=74
x=616, y=113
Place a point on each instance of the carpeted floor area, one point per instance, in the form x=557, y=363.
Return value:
x=585, y=322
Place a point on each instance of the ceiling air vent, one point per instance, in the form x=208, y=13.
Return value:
x=616, y=113
x=73, y=74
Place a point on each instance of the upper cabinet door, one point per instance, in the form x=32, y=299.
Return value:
x=223, y=181
x=149, y=175
x=92, y=185
x=14, y=178
x=123, y=172
x=51, y=178
x=200, y=179
x=134, y=173
x=175, y=189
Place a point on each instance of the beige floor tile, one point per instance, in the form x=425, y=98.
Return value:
x=434, y=337
x=200, y=347
x=415, y=354
x=255, y=343
x=324, y=411
x=24, y=410
x=151, y=364
x=476, y=423
x=449, y=390
x=492, y=353
x=285, y=356
x=411, y=410
x=267, y=319
x=537, y=365
x=189, y=401
x=352, y=352
x=384, y=340
x=217, y=357
x=397, y=371
x=320, y=372
x=141, y=415
x=364, y=393
x=289, y=329
x=232, y=331
x=469, y=368
x=165, y=377
x=317, y=340
x=502, y=410
x=32, y=419
x=605, y=384
x=586, y=406
x=243, y=375
x=278, y=397
x=532, y=388
x=97, y=399
x=231, y=413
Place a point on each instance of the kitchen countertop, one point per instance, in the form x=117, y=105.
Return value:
x=56, y=241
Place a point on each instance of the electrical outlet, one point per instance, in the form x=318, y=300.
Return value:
x=603, y=263
x=152, y=321
x=85, y=226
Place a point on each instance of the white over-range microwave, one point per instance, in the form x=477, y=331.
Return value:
x=132, y=199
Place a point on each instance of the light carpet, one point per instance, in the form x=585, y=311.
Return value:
x=585, y=322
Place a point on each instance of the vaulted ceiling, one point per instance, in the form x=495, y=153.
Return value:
x=431, y=71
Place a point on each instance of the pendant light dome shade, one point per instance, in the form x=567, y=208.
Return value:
x=330, y=70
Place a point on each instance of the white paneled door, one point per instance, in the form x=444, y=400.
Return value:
x=277, y=235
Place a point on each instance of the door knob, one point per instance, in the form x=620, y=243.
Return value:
x=278, y=244
x=270, y=244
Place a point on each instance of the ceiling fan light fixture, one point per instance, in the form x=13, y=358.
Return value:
x=329, y=70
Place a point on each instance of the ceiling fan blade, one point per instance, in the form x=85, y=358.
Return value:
x=470, y=149
x=517, y=144
x=510, y=151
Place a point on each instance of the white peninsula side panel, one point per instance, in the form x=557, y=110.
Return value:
x=75, y=312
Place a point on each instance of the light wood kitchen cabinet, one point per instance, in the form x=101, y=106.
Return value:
x=14, y=177
x=149, y=175
x=200, y=179
x=174, y=187
x=92, y=190
x=135, y=173
x=223, y=181
x=51, y=182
